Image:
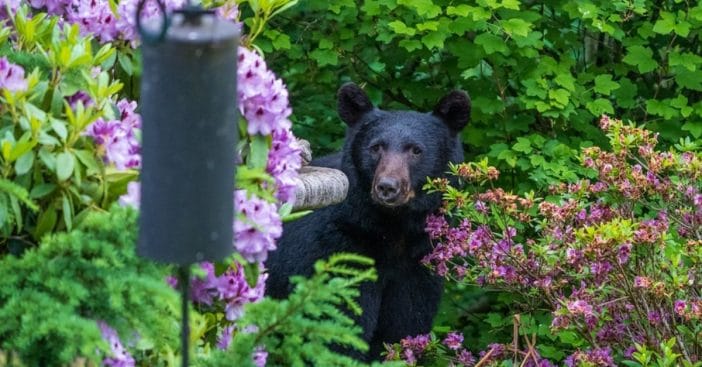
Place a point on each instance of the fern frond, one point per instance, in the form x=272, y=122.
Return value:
x=18, y=192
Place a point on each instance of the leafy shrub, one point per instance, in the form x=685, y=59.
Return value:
x=617, y=260
x=52, y=173
x=51, y=297
x=540, y=73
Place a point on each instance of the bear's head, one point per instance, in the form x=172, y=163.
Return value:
x=389, y=154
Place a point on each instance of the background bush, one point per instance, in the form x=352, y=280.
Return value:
x=539, y=73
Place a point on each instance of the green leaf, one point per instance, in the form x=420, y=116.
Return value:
x=566, y=81
x=536, y=160
x=325, y=57
x=45, y=222
x=660, y=108
x=258, y=151
x=686, y=59
x=491, y=43
x=461, y=10
x=604, y=84
x=511, y=4
x=60, y=128
x=627, y=94
x=689, y=79
x=431, y=25
x=126, y=63
x=434, y=40
x=17, y=212
x=41, y=190
x=87, y=158
x=295, y=216
x=682, y=28
x=67, y=210
x=113, y=175
x=523, y=145
x=424, y=8
x=410, y=45
x=516, y=26
x=64, y=165
x=600, y=106
x=24, y=163
x=401, y=28
x=560, y=95
x=641, y=57
x=680, y=102
x=282, y=42
x=694, y=127
x=665, y=24
x=496, y=149
x=495, y=320
x=508, y=156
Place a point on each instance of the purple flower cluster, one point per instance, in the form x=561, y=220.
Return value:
x=12, y=5
x=97, y=18
x=119, y=357
x=598, y=252
x=133, y=195
x=263, y=102
x=284, y=161
x=256, y=227
x=598, y=357
x=11, y=76
x=260, y=357
x=262, y=98
x=116, y=139
x=689, y=309
x=453, y=340
x=412, y=348
x=229, y=289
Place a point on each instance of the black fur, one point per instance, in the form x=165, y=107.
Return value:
x=405, y=298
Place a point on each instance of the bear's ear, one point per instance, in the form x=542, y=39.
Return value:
x=353, y=103
x=454, y=109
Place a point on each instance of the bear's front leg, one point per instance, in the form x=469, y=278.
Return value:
x=409, y=302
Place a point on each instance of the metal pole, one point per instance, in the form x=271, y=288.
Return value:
x=184, y=281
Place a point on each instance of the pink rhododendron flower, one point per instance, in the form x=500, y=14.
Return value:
x=119, y=357
x=11, y=76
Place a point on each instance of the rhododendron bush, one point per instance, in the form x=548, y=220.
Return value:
x=615, y=256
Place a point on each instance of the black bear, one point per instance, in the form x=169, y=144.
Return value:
x=387, y=157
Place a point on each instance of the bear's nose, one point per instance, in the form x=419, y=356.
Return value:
x=388, y=189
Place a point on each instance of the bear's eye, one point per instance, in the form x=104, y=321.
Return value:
x=375, y=148
x=416, y=150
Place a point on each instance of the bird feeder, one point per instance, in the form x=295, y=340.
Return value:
x=188, y=108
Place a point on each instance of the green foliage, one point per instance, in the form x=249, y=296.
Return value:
x=51, y=175
x=643, y=357
x=299, y=331
x=542, y=71
x=51, y=297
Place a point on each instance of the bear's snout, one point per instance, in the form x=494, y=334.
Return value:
x=391, y=182
x=388, y=189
